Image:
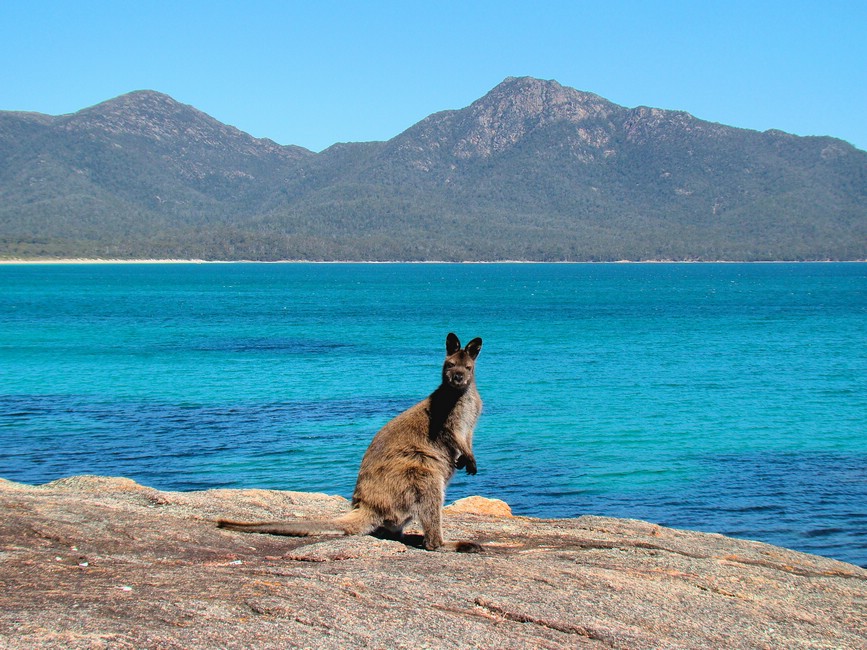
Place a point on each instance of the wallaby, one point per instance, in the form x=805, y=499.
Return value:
x=409, y=462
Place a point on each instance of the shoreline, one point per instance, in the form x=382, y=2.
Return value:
x=473, y=504
x=163, y=570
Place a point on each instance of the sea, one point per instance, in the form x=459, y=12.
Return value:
x=727, y=398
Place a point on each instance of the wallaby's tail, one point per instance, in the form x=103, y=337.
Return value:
x=292, y=528
x=355, y=522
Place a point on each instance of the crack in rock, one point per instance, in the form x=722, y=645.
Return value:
x=557, y=626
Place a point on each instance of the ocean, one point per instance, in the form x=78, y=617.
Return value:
x=728, y=398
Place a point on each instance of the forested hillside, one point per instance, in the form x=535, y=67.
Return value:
x=531, y=171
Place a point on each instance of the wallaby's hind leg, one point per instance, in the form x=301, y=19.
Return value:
x=430, y=517
x=429, y=513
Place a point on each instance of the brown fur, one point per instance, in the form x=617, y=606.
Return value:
x=406, y=468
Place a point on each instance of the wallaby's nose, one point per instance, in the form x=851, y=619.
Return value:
x=458, y=376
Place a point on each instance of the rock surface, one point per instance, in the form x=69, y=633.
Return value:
x=91, y=562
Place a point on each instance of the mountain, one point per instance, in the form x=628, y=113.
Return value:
x=533, y=170
x=139, y=169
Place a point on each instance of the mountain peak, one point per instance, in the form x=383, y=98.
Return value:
x=540, y=101
x=510, y=112
x=162, y=119
x=144, y=113
x=142, y=98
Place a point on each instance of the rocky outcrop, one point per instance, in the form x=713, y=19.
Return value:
x=90, y=562
x=517, y=107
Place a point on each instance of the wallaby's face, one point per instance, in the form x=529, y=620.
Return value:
x=459, y=366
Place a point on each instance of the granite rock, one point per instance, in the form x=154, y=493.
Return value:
x=95, y=562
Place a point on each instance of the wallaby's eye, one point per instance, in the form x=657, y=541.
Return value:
x=450, y=364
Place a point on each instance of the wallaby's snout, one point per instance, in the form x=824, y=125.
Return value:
x=456, y=377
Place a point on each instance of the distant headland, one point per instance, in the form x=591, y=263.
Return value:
x=532, y=171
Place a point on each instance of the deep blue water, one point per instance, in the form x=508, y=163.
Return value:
x=720, y=397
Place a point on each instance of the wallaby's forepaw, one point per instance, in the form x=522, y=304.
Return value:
x=471, y=465
x=459, y=547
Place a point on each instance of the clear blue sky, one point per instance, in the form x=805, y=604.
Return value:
x=317, y=72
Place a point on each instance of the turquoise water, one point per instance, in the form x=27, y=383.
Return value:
x=720, y=397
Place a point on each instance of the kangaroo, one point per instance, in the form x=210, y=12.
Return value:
x=409, y=462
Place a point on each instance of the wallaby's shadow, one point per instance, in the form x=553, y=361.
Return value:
x=417, y=541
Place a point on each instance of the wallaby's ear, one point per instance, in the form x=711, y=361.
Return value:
x=474, y=347
x=452, y=344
